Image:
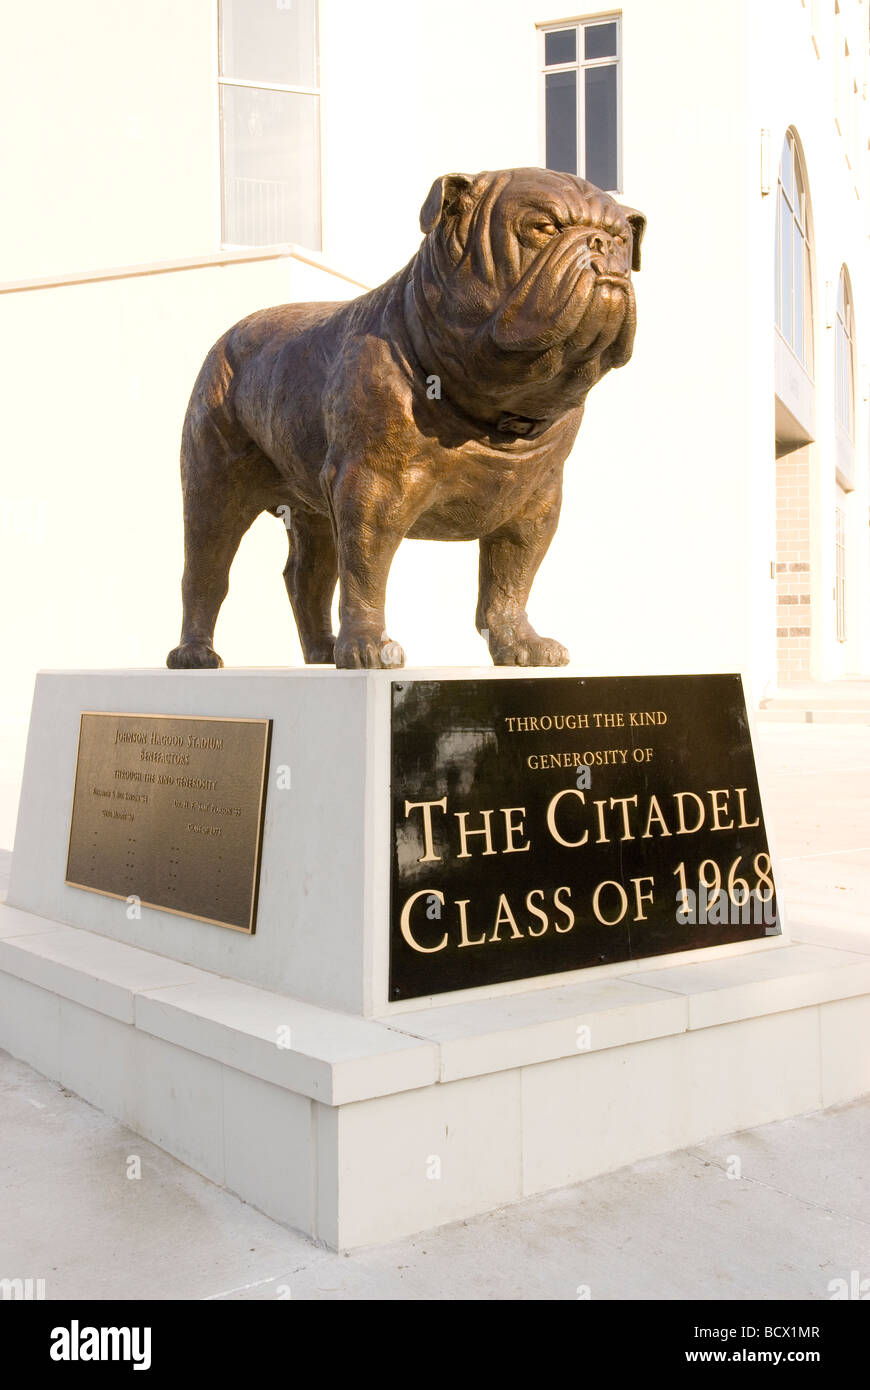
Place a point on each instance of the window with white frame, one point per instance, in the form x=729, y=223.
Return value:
x=845, y=358
x=793, y=286
x=268, y=82
x=581, y=99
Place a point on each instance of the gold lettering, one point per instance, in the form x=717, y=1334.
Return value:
x=426, y=807
x=744, y=823
x=405, y=921
x=624, y=802
x=683, y=828
x=537, y=911
x=462, y=904
x=551, y=818
x=465, y=834
x=623, y=899
x=504, y=917
x=564, y=907
x=655, y=812
x=720, y=810
x=510, y=829
x=640, y=897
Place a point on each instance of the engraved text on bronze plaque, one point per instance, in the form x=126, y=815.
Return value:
x=168, y=811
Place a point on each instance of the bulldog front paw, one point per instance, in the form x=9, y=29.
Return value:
x=357, y=651
x=532, y=651
x=193, y=656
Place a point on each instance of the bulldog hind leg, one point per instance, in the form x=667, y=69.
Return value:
x=311, y=574
x=223, y=495
x=509, y=561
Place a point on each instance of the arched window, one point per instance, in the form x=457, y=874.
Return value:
x=845, y=357
x=793, y=286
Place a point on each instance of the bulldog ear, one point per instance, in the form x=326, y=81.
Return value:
x=637, y=222
x=443, y=199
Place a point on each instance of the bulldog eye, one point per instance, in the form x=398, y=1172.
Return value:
x=536, y=232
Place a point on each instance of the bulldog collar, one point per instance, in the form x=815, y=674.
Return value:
x=508, y=426
x=518, y=424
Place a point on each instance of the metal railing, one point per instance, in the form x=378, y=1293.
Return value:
x=257, y=212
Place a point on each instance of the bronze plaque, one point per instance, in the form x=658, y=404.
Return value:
x=169, y=809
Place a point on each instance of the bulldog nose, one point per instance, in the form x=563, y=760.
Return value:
x=605, y=257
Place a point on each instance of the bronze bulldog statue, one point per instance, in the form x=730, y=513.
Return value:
x=441, y=405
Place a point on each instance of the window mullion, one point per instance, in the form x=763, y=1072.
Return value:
x=581, y=120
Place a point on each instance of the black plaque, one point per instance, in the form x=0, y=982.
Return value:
x=168, y=810
x=586, y=821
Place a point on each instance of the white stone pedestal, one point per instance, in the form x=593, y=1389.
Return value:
x=275, y=1065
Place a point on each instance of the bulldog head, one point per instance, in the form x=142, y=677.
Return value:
x=525, y=281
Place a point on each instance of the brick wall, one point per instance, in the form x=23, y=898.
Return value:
x=793, y=566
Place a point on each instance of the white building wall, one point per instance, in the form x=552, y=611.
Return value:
x=798, y=80
x=109, y=115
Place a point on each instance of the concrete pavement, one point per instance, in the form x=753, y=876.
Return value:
x=676, y=1227
x=815, y=781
